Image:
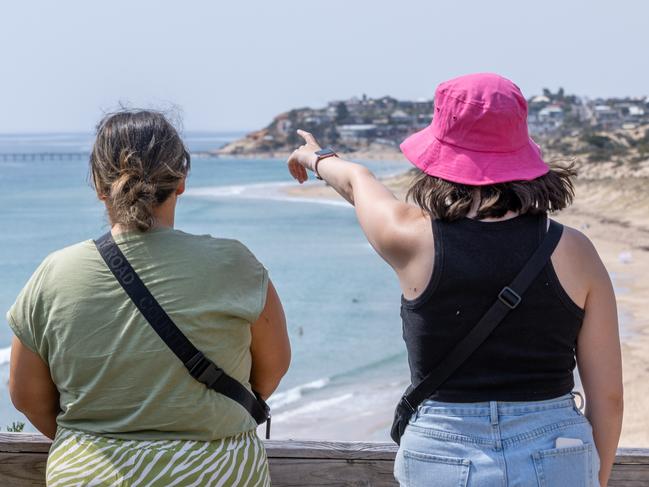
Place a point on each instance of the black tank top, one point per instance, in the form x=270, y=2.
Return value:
x=531, y=354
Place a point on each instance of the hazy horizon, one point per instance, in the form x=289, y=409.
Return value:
x=231, y=67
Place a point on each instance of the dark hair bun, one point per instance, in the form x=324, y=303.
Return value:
x=137, y=162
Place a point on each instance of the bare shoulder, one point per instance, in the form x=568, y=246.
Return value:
x=411, y=223
x=577, y=249
x=578, y=266
x=412, y=215
x=575, y=241
x=406, y=231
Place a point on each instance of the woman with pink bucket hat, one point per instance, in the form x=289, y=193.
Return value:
x=499, y=302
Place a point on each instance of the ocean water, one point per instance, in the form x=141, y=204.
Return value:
x=341, y=300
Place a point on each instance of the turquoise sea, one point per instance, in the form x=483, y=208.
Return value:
x=341, y=300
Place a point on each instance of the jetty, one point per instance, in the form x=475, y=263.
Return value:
x=41, y=156
x=23, y=457
x=64, y=156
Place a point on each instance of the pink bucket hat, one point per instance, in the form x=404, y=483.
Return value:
x=478, y=135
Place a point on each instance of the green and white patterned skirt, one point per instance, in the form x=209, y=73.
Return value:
x=82, y=459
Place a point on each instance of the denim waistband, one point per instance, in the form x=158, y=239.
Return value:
x=501, y=407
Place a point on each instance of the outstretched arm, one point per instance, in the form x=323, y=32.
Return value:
x=389, y=224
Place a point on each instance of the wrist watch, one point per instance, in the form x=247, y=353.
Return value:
x=322, y=154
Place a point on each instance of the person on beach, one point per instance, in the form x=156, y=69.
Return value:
x=88, y=370
x=480, y=199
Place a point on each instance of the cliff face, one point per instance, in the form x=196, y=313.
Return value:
x=600, y=154
x=280, y=134
x=251, y=143
x=348, y=125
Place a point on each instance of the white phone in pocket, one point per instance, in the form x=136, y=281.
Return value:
x=567, y=442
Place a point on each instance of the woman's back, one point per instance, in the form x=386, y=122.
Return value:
x=90, y=372
x=478, y=168
x=531, y=354
x=117, y=377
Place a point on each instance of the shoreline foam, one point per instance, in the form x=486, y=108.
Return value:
x=5, y=354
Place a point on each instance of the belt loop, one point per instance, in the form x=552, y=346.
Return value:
x=493, y=412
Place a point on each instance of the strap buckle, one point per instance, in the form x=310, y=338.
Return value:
x=509, y=297
x=204, y=370
x=268, y=426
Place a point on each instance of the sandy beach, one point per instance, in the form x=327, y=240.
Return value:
x=614, y=214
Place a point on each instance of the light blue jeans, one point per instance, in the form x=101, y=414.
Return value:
x=504, y=444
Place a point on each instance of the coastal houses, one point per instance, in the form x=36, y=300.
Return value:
x=359, y=122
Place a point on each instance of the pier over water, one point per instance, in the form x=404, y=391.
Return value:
x=65, y=156
x=42, y=156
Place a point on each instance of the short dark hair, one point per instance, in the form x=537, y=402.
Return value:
x=446, y=200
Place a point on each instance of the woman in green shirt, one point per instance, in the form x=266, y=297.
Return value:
x=89, y=372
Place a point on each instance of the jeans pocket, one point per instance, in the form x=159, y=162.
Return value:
x=571, y=466
x=423, y=469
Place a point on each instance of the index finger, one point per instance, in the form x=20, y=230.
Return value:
x=307, y=136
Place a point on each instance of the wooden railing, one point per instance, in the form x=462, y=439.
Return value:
x=293, y=463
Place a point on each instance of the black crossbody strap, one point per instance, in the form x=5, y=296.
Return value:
x=200, y=367
x=508, y=299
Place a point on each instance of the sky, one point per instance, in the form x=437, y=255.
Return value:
x=234, y=65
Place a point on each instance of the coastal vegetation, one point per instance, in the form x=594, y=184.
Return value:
x=16, y=427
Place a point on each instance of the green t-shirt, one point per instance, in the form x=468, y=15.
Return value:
x=115, y=376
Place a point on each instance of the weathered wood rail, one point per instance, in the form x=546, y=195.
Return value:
x=293, y=463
